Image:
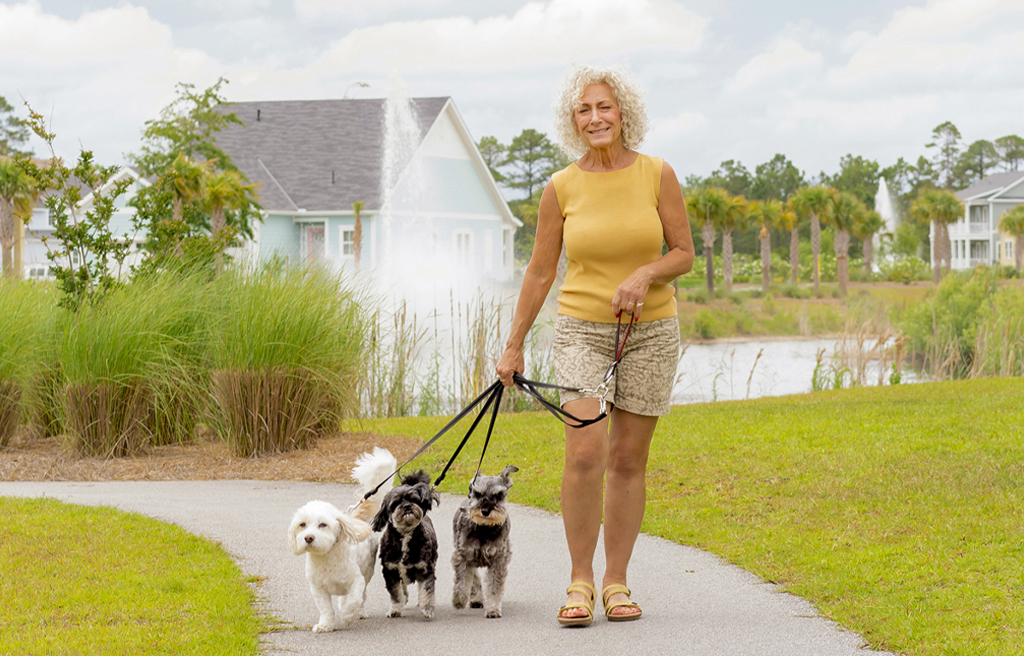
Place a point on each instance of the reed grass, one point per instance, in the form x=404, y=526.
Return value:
x=284, y=341
x=26, y=317
x=119, y=356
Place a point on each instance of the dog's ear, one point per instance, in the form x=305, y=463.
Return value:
x=435, y=497
x=352, y=529
x=507, y=472
x=380, y=520
x=293, y=535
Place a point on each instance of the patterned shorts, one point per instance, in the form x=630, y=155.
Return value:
x=643, y=380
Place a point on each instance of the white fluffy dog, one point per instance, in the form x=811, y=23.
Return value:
x=340, y=548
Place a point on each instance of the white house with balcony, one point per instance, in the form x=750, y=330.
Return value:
x=976, y=238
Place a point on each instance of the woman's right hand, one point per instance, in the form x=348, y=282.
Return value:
x=511, y=361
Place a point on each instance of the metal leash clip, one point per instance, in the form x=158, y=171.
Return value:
x=602, y=390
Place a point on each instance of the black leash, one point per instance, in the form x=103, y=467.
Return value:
x=491, y=398
x=492, y=395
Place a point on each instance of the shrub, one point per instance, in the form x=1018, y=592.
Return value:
x=285, y=341
x=905, y=270
x=26, y=315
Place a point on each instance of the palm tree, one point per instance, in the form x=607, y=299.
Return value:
x=16, y=192
x=357, y=232
x=847, y=211
x=186, y=177
x=768, y=215
x=865, y=230
x=1012, y=223
x=817, y=203
x=940, y=207
x=733, y=217
x=792, y=223
x=705, y=207
x=222, y=191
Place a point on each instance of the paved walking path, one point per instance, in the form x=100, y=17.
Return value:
x=694, y=604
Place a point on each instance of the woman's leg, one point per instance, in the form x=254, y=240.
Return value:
x=629, y=443
x=586, y=455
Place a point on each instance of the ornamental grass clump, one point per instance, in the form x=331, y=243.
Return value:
x=286, y=352
x=120, y=355
x=26, y=313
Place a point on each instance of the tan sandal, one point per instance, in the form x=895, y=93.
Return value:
x=615, y=588
x=588, y=591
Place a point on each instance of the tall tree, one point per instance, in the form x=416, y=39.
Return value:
x=705, y=207
x=790, y=220
x=946, y=144
x=766, y=214
x=16, y=191
x=857, y=176
x=731, y=176
x=815, y=203
x=494, y=154
x=188, y=126
x=940, y=207
x=532, y=159
x=221, y=191
x=733, y=217
x=847, y=211
x=1012, y=223
x=1010, y=150
x=14, y=132
x=977, y=161
x=865, y=230
x=777, y=178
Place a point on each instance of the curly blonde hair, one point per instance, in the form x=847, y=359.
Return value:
x=627, y=92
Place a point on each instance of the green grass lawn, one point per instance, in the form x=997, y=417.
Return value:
x=83, y=580
x=898, y=510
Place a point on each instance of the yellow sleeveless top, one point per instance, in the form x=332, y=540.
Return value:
x=611, y=228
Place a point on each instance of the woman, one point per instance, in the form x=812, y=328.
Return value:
x=615, y=210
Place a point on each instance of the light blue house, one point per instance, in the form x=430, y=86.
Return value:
x=429, y=201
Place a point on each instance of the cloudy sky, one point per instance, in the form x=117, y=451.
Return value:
x=726, y=79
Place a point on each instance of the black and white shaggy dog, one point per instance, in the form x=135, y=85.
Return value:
x=481, y=527
x=340, y=548
x=408, y=545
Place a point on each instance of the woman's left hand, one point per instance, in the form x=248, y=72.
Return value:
x=629, y=297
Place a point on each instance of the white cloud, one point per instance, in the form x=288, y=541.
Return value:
x=27, y=31
x=678, y=124
x=787, y=57
x=940, y=40
x=560, y=29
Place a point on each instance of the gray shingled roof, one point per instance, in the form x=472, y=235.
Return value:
x=318, y=155
x=990, y=183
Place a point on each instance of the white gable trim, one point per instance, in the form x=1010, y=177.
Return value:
x=122, y=173
x=477, y=159
x=1012, y=185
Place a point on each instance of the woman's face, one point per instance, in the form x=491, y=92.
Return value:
x=597, y=116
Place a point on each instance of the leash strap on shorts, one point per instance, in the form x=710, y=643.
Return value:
x=532, y=387
x=491, y=394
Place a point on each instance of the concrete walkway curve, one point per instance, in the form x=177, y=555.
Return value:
x=694, y=603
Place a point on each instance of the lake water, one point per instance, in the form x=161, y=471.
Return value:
x=728, y=371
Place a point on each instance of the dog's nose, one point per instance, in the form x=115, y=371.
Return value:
x=309, y=539
x=486, y=512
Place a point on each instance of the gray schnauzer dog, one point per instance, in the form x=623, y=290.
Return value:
x=481, y=527
x=408, y=546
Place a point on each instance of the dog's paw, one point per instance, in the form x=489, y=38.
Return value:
x=323, y=627
x=459, y=600
x=395, y=613
x=428, y=613
x=476, y=604
x=494, y=612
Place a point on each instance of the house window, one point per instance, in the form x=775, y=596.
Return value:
x=463, y=246
x=979, y=252
x=1009, y=250
x=313, y=242
x=979, y=218
x=348, y=243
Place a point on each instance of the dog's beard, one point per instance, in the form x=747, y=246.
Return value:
x=406, y=518
x=495, y=518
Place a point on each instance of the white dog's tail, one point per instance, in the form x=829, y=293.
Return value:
x=371, y=469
